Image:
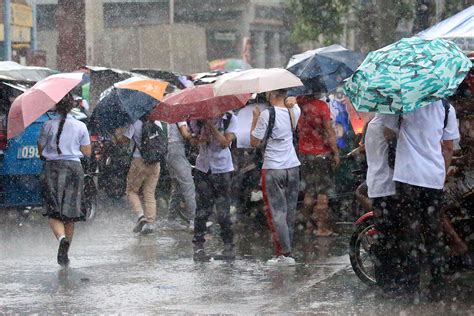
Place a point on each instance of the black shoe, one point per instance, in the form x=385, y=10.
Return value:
x=140, y=223
x=63, y=259
x=200, y=255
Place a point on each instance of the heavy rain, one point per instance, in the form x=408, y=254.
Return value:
x=237, y=157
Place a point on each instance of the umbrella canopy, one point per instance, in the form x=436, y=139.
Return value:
x=229, y=64
x=255, y=81
x=16, y=71
x=196, y=103
x=42, y=97
x=125, y=102
x=459, y=28
x=406, y=75
x=459, y=25
x=324, y=69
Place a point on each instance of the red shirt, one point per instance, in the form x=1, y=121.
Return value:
x=314, y=113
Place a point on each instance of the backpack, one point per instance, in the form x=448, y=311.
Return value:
x=154, y=143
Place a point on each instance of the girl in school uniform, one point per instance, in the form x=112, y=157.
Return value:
x=62, y=143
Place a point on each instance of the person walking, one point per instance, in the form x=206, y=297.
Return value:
x=423, y=155
x=182, y=182
x=62, y=143
x=213, y=181
x=274, y=128
x=144, y=173
x=319, y=156
x=381, y=189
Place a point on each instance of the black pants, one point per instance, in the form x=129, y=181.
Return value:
x=414, y=214
x=387, y=250
x=212, y=189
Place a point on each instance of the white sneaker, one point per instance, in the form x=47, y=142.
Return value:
x=281, y=261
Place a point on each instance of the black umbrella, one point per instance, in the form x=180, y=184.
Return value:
x=323, y=69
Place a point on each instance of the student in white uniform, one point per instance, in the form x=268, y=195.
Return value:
x=424, y=151
x=381, y=188
x=280, y=172
x=62, y=142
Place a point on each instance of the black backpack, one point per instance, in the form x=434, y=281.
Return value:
x=154, y=142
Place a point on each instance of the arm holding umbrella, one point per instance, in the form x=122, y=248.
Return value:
x=254, y=141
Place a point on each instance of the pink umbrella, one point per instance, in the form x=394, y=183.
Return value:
x=42, y=97
x=196, y=103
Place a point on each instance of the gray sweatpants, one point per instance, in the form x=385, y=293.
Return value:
x=182, y=185
x=280, y=192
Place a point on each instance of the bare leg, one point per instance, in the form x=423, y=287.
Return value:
x=457, y=245
x=69, y=229
x=363, y=198
x=57, y=227
x=321, y=210
x=306, y=216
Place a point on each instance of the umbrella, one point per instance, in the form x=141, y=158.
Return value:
x=196, y=103
x=39, y=99
x=324, y=69
x=229, y=64
x=126, y=102
x=16, y=71
x=459, y=28
x=255, y=81
x=407, y=75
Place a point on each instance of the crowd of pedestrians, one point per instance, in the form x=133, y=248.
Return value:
x=408, y=157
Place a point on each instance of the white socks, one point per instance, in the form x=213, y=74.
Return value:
x=61, y=238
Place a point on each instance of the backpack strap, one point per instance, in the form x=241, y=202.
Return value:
x=446, y=112
x=271, y=124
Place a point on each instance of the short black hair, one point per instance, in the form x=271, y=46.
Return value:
x=280, y=93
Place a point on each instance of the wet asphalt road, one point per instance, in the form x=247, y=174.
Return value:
x=115, y=271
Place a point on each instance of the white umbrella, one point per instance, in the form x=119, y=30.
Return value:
x=255, y=81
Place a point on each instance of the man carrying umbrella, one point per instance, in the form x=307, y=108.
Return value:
x=408, y=79
x=143, y=174
x=212, y=180
x=280, y=171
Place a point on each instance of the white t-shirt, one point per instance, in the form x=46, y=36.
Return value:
x=174, y=134
x=419, y=160
x=280, y=152
x=134, y=131
x=379, y=174
x=73, y=136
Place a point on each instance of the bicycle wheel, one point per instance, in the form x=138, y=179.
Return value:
x=361, y=254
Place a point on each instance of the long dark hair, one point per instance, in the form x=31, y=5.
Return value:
x=62, y=108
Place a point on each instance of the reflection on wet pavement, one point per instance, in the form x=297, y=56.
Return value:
x=114, y=271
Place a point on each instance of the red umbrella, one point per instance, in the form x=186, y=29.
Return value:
x=196, y=103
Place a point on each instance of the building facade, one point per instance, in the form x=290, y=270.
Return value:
x=178, y=35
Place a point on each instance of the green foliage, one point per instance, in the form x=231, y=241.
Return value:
x=318, y=17
x=451, y=7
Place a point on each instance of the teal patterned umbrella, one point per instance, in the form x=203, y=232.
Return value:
x=407, y=75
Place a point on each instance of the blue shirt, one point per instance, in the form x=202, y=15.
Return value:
x=212, y=157
x=74, y=135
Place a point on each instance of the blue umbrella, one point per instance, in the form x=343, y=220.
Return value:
x=323, y=69
x=126, y=102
